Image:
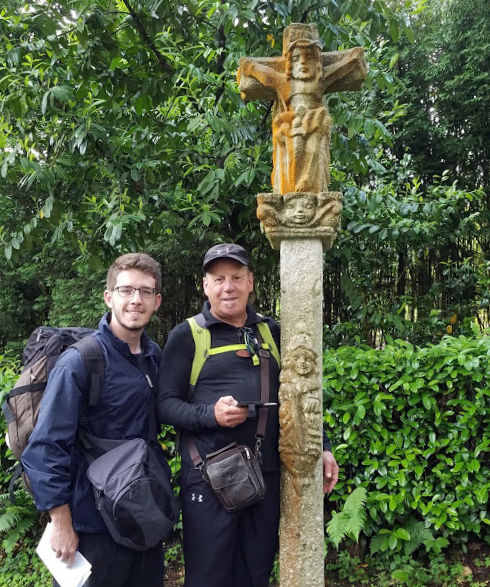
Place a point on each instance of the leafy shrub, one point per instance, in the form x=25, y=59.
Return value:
x=9, y=372
x=18, y=522
x=16, y=519
x=411, y=426
x=22, y=567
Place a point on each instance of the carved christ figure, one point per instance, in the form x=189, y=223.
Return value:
x=301, y=123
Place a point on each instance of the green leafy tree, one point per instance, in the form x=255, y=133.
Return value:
x=123, y=129
x=445, y=86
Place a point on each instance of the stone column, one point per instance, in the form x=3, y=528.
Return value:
x=300, y=396
x=301, y=217
x=301, y=225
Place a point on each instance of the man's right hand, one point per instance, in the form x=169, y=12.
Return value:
x=227, y=413
x=64, y=539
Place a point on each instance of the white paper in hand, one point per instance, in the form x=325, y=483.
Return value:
x=74, y=576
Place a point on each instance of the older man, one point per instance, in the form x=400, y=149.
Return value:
x=222, y=548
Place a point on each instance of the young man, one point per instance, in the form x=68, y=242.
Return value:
x=223, y=549
x=54, y=460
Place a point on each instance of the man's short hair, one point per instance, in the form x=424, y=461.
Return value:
x=141, y=262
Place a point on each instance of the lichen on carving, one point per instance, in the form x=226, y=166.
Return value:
x=300, y=412
x=301, y=124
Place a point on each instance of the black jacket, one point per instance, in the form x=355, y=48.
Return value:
x=222, y=374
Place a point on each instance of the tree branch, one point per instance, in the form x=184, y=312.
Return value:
x=147, y=39
x=221, y=61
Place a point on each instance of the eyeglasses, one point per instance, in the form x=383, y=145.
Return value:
x=250, y=340
x=127, y=291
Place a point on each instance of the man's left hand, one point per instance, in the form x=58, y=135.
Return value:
x=330, y=471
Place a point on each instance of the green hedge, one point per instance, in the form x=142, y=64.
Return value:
x=411, y=425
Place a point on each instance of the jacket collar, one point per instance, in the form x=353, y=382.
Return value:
x=147, y=346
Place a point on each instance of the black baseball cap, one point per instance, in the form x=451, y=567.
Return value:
x=225, y=251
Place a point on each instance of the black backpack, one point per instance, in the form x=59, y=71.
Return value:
x=132, y=488
x=43, y=349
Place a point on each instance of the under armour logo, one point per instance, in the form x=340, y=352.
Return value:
x=199, y=498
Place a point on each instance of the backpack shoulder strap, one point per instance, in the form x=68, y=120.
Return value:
x=93, y=357
x=269, y=342
x=203, y=350
x=202, y=342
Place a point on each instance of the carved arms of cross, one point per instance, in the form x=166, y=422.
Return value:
x=252, y=89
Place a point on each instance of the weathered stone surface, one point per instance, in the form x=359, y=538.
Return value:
x=301, y=124
x=300, y=215
x=300, y=396
x=252, y=89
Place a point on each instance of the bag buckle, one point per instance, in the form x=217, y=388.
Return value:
x=200, y=467
x=264, y=353
x=258, y=444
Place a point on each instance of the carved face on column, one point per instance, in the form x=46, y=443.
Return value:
x=302, y=66
x=303, y=361
x=299, y=209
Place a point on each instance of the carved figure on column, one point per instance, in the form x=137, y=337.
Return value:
x=301, y=123
x=300, y=214
x=299, y=208
x=300, y=412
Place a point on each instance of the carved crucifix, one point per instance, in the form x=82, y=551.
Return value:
x=301, y=123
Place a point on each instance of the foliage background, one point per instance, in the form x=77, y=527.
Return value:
x=412, y=426
x=122, y=129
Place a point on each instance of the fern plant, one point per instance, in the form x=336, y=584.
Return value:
x=351, y=520
x=16, y=519
x=419, y=535
x=407, y=539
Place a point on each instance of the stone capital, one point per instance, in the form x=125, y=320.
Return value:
x=300, y=215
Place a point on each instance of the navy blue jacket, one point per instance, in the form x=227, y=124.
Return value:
x=53, y=459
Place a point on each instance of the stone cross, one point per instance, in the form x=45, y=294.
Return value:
x=301, y=218
x=301, y=123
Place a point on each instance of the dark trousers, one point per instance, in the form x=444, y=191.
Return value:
x=117, y=566
x=223, y=549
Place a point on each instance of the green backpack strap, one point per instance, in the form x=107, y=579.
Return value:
x=269, y=342
x=202, y=342
x=203, y=350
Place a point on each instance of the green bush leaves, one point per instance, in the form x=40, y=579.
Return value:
x=412, y=427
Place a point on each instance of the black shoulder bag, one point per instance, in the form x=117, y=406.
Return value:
x=234, y=472
x=131, y=485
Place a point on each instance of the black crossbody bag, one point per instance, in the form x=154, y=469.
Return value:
x=234, y=472
x=131, y=485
